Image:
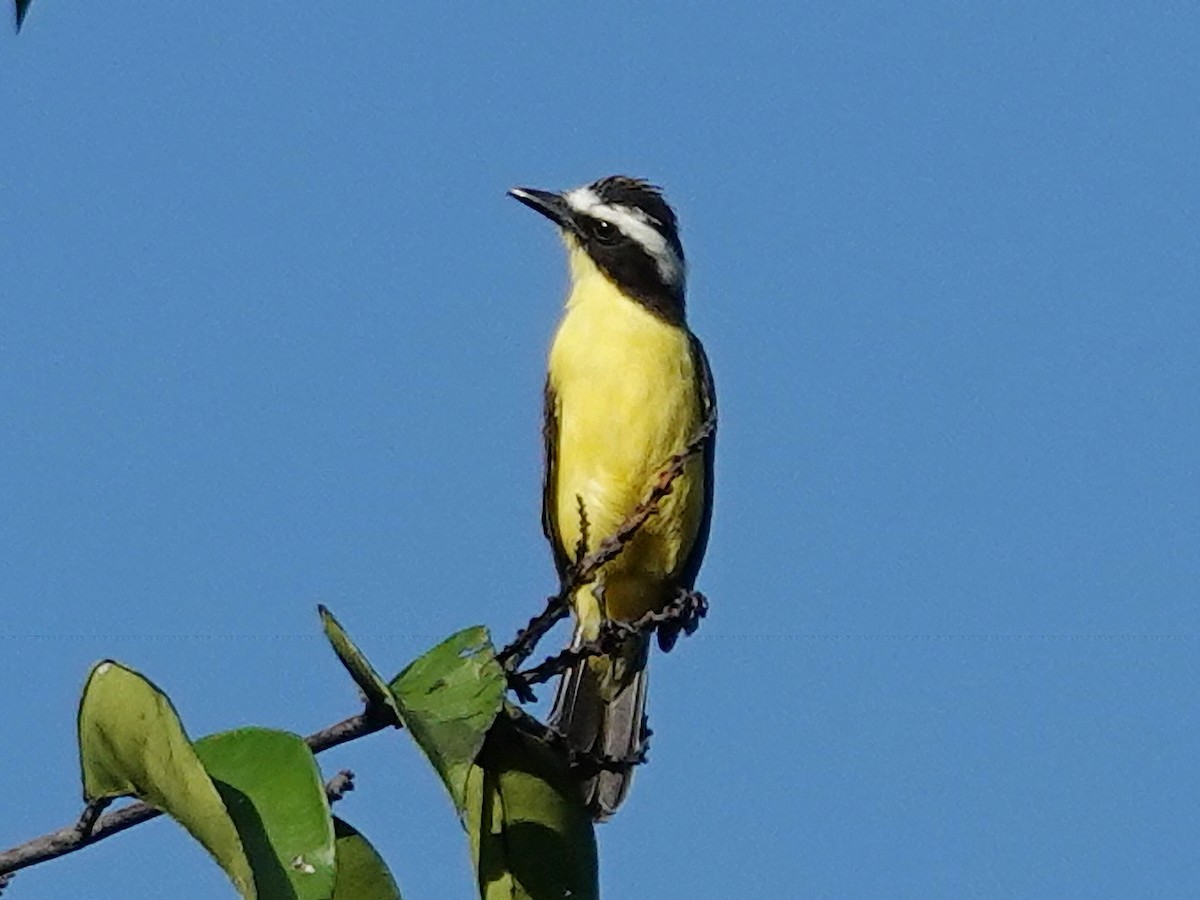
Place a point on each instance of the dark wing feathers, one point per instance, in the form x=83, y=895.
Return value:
x=562, y=559
x=708, y=409
x=669, y=632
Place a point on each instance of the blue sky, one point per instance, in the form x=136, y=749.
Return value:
x=271, y=335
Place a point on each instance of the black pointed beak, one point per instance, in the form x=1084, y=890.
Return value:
x=549, y=204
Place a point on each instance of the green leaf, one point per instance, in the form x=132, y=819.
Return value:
x=131, y=742
x=448, y=699
x=374, y=688
x=22, y=8
x=361, y=872
x=531, y=835
x=272, y=788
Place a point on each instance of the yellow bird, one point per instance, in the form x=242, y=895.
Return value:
x=628, y=387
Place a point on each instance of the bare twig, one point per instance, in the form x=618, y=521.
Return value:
x=347, y=730
x=73, y=837
x=527, y=638
x=586, y=567
x=582, y=544
x=339, y=785
x=610, y=548
x=685, y=610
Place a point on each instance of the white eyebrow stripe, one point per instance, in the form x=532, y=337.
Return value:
x=634, y=224
x=582, y=199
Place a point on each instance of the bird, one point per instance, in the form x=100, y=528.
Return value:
x=628, y=386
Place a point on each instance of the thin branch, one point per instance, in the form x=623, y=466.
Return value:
x=339, y=785
x=586, y=567
x=74, y=837
x=686, y=610
x=527, y=638
x=610, y=548
x=582, y=543
x=347, y=730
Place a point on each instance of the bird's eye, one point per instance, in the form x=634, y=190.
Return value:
x=604, y=232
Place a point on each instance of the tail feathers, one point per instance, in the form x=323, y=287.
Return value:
x=603, y=715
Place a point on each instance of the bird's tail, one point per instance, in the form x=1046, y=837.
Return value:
x=600, y=708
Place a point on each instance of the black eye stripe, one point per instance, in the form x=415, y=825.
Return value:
x=631, y=253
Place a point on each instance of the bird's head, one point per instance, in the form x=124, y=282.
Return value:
x=625, y=227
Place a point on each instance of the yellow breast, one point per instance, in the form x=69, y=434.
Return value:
x=626, y=388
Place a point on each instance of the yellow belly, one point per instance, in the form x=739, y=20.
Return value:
x=626, y=388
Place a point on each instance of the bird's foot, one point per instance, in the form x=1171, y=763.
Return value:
x=693, y=606
x=683, y=613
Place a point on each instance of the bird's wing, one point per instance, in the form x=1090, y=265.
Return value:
x=562, y=559
x=708, y=409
